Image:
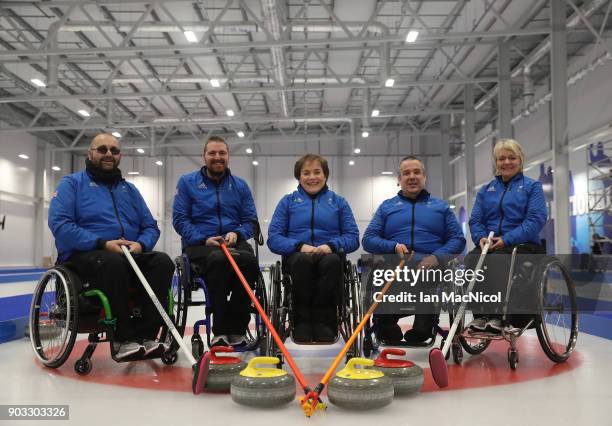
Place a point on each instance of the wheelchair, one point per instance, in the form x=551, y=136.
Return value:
x=63, y=306
x=372, y=342
x=189, y=278
x=555, y=318
x=348, y=312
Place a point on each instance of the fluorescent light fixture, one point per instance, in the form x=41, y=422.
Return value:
x=190, y=36
x=116, y=134
x=56, y=168
x=375, y=113
x=390, y=82
x=240, y=134
x=83, y=113
x=38, y=82
x=133, y=173
x=23, y=156
x=255, y=163
x=215, y=83
x=452, y=206
x=357, y=150
x=412, y=36
x=159, y=163
x=249, y=150
x=230, y=112
x=140, y=150
x=351, y=163
x=386, y=173
x=365, y=134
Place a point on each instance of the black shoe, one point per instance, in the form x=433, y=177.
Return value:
x=390, y=333
x=323, y=333
x=415, y=336
x=220, y=340
x=302, y=332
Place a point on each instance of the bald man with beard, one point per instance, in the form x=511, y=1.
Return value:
x=92, y=214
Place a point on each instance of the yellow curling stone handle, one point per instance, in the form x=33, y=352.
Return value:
x=252, y=370
x=350, y=371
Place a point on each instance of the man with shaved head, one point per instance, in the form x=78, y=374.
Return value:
x=92, y=214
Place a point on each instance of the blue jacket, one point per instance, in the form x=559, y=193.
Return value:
x=302, y=219
x=517, y=212
x=205, y=208
x=426, y=225
x=83, y=213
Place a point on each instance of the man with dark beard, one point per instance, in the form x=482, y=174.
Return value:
x=212, y=205
x=92, y=214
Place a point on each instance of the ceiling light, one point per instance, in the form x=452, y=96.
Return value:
x=38, y=82
x=357, y=150
x=390, y=82
x=375, y=113
x=56, y=168
x=230, y=112
x=133, y=173
x=249, y=150
x=215, y=83
x=23, y=156
x=240, y=134
x=452, y=206
x=116, y=134
x=190, y=36
x=159, y=163
x=351, y=163
x=140, y=150
x=84, y=113
x=365, y=134
x=386, y=173
x=255, y=163
x=412, y=36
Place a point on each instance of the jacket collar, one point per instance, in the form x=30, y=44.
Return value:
x=423, y=195
x=516, y=177
x=303, y=192
x=208, y=179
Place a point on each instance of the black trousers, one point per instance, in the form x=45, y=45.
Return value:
x=523, y=294
x=112, y=274
x=230, y=302
x=316, y=282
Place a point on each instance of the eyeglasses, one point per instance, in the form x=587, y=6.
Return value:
x=103, y=149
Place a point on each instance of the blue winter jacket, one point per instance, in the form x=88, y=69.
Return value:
x=302, y=219
x=516, y=212
x=426, y=225
x=205, y=208
x=83, y=213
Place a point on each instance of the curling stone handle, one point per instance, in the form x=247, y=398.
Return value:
x=262, y=360
x=391, y=351
x=354, y=362
x=219, y=349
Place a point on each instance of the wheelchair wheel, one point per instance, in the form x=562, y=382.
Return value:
x=261, y=329
x=83, y=367
x=181, y=294
x=274, y=307
x=54, y=317
x=354, y=308
x=557, y=325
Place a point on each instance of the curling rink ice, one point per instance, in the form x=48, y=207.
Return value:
x=483, y=391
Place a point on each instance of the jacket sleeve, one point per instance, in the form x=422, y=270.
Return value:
x=62, y=219
x=278, y=231
x=248, y=213
x=349, y=238
x=181, y=216
x=149, y=232
x=534, y=221
x=477, y=219
x=373, y=239
x=454, y=240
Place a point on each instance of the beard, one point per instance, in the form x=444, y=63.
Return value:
x=213, y=168
x=103, y=163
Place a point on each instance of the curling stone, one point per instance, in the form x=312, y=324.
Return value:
x=263, y=386
x=222, y=369
x=407, y=377
x=360, y=388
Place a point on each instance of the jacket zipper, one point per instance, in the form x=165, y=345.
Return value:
x=501, y=212
x=412, y=228
x=117, y=212
x=312, y=222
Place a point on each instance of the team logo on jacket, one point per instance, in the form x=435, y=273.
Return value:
x=93, y=184
x=491, y=189
x=202, y=186
x=399, y=203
